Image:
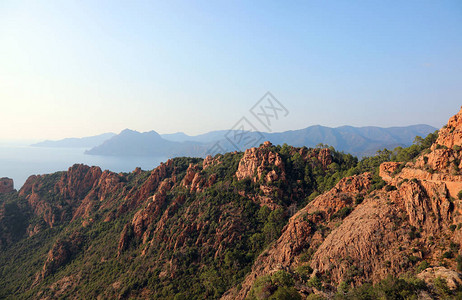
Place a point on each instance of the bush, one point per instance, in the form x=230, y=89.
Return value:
x=389, y=188
x=304, y=271
x=459, y=195
x=315, y=282
x=306, y=256
x=285, y=293
x=342, y=213
x=359, y=199
x=459, y=262
x=422, y=266
x=442, y=286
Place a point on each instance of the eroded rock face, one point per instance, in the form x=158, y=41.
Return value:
x=77, y=181
x=256, y=160
x=6, y=185
x=423, y=198
x=303, y=230
x=451, y=134
x=61, y=253
x=193, y=178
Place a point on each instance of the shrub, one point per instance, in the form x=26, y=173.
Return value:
x=315, y=282
x=342, y=288
x=413, y=258
x=282, y=278
x=304, y=271
x=422, y=266
x=306, y=256
x=459, y=262
x=359, y=199
x=342, y=213
x=459, y=195
x=389, y=188
x=442, y=286
x=286, y=293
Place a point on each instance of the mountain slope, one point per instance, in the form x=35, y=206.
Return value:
x=276, y=222
x=85, y=142
x=133, y=143
x=409, y=226
x=359, y=141
x=190, y=226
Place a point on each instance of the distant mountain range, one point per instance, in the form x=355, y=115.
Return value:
x=85, y=142
x=359, y=141
x=134, y=143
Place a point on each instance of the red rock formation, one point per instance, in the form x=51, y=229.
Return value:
x=451, y=134
x=60, y=254
x=77, y=181
x=256, y=160
x=149, y=187
x=6, y=185
x=301, y=231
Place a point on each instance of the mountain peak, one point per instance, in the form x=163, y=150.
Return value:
x=128, y=131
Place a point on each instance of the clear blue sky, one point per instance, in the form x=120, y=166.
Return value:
x=78, y=68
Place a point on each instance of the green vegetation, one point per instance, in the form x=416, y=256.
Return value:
x=280, y=285
x=389, y=288
x=406, y=287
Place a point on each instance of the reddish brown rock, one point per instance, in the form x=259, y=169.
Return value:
x=6, y=185
x=451, y=134
x=148, y=187
x=60, y=254
x=301, y=231
x=209, y=161
x=325, y=157
x=387, y=170
x=257, y=160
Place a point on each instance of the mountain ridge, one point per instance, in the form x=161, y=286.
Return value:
x=270, y=222
x=359, y=141
x=84, y=142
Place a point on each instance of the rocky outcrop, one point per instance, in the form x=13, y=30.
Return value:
x=138, y=195
x=77, y=182
x=6, y=185
x=453, y=279
x=451, y=134
x=258, y=160
x=193, y=178
x=61, y=253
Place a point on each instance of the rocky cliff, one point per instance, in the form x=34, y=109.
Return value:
x=414, y=220
x=273, y=221
x=6, y=185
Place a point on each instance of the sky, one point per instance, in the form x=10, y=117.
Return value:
x=81, y=68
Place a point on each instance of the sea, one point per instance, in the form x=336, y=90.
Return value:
x=19, y=160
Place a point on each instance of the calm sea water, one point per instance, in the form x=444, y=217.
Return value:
x=21, y=161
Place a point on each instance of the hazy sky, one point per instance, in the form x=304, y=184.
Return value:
x=78, y=68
